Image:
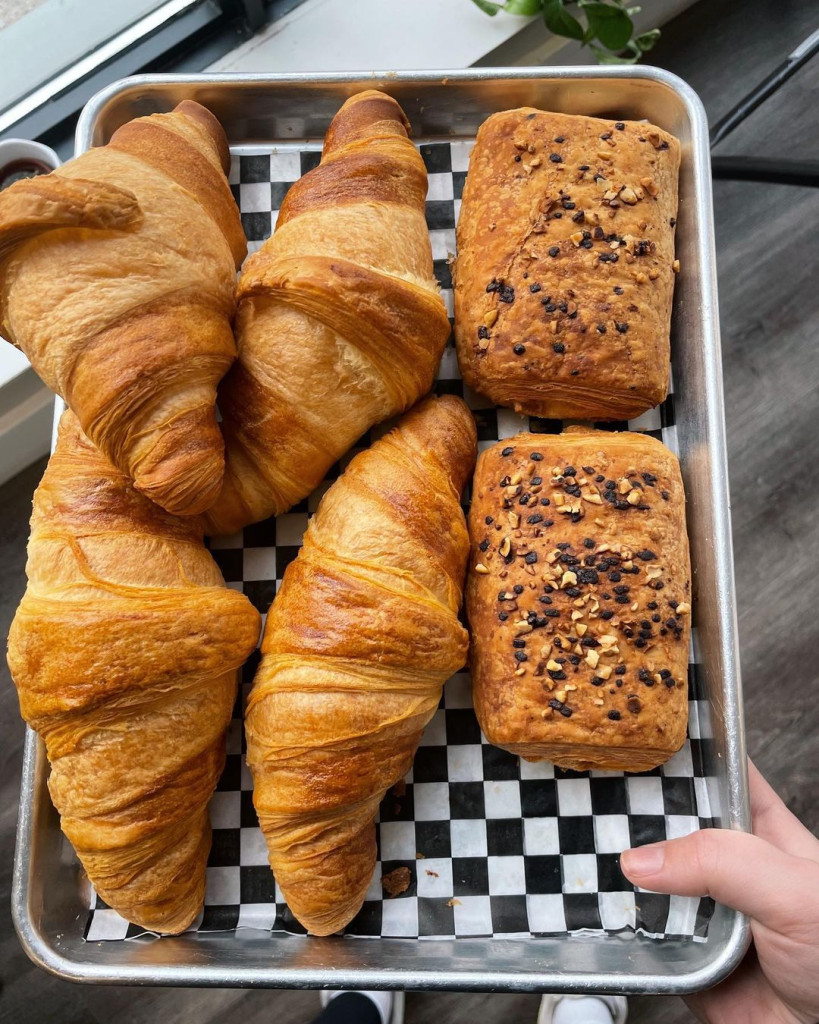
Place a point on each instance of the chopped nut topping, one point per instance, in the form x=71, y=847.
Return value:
x=624, y=486
x=553, y=666
x=481, y=568
x=628, y=195
x=675, y=266
x=506, y=546
x=592, y=657
x=520, y=671
x=581, y=629
x=569, y=579
x=604, y=672
x=490, y=318
x=634, y=497
x=683, y=607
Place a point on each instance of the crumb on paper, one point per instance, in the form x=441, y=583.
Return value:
x=454, y=902
x=396, y=881
x=433, y=874
x=419, y=856
x=399, y=789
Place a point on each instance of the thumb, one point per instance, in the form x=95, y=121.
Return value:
x=735, y=868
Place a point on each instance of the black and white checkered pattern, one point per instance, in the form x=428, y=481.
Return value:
x=495, y=845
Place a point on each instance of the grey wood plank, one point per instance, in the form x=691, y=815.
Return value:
x=722, y=48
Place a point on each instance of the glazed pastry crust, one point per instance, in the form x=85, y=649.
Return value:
x=124, y=652
x=340, y=321
x=539, y=324
x=118, y=281
x=615, y=599
x=358, y=644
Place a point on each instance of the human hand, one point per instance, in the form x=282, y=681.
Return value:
x=773, y=877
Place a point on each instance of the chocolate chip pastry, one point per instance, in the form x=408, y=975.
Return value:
x=565, y=267
x=578, y=599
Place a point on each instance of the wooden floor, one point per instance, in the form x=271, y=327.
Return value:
x=769, y=294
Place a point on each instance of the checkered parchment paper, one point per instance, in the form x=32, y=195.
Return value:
x=495, y=846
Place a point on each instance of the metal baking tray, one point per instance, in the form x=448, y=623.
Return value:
x=49, y=907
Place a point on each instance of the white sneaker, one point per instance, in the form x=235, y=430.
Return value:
x=582, y=1010
x=389, y=1004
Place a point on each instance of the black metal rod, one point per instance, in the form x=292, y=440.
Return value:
x=250, y=12
x=766, y=88
x=780, y=172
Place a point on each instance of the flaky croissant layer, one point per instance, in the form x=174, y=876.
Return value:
x=124, y=651
x=358, y=644
x=117, y=279
x=340, y=323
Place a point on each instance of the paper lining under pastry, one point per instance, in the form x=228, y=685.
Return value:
x=494, y=845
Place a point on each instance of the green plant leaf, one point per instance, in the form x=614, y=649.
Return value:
x=487, y=7
x=604, y=57
x=559, y=21
x=646, y=41
x=608, y=23
x=525, y=8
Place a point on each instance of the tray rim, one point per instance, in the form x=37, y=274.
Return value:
x=39, y=947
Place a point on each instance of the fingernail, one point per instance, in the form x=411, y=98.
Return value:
x=643, y=860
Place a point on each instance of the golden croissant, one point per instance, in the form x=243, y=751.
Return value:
x=117, y=280
x=125, y=650
x=340, y=323
x=358, y=644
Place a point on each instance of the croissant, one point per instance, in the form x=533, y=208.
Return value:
x=117, y=280
x=340, y=323
x=358, y=644
x=124, y=651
